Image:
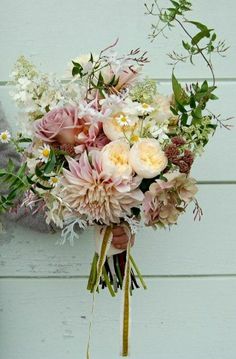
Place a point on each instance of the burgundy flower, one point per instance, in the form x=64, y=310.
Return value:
x=172, y=152
x=178, y=141
x=188, y=157
x=183, y=166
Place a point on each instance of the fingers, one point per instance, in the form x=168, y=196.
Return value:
x=118, y=231
x=120, y=238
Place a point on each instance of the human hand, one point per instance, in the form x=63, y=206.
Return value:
x=120, y=238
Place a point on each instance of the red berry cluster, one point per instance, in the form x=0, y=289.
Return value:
x=185, y=160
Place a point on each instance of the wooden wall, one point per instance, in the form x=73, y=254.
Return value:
x=189, y=310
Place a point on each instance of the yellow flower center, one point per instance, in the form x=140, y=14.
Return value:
x=145, y=105
x=134, y=138
x=4, y=136
x=150, y=157
x=54, y=179
x=123, y=119
x=118, y=158
x=46, y=152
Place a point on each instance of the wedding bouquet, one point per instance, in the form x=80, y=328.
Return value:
x=103, y=148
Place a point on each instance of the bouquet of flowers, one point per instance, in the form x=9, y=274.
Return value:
x=102, y=148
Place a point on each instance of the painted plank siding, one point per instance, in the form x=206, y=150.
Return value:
x=191, y=248
x=52, y=33
x=188, y=311
x=177, y=318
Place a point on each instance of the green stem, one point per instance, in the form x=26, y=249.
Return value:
x=138, y=272
x=109, y=286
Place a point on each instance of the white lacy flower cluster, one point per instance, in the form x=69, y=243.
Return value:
x=36, y=93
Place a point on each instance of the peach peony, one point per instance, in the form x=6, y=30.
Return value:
x=115, y=159
x=147, y=158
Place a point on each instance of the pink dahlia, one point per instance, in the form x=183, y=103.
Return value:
x=99, y=197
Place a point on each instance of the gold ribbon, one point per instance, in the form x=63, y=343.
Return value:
x=106, y=242
x=126, y=303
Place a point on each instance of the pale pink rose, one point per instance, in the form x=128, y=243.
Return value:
x=60, y=125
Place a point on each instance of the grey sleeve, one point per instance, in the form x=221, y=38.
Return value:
x=22, y=217
x=6, y=150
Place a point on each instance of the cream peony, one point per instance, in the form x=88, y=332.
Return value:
x=114, y=129
x=147, y=158
x=115, y=159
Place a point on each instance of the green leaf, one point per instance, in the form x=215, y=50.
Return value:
x=197, y=38
x=39, y=185
x=186, y=45
x=49, y=167
x=177, y=89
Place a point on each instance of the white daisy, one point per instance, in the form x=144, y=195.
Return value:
x=123, y=120
x=44, y=153
x=145, y=108
x=54, y=180
x=5, y=136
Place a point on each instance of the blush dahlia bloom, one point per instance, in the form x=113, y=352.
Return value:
x=59, y=125
x=95, y=195
x=165, y=201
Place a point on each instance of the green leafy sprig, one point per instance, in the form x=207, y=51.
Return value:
x=203, y=42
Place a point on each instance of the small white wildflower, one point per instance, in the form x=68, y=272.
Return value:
x=123, y=120
x=5, y=136
x=44, y=153
x=54, y=181
x=145, y=108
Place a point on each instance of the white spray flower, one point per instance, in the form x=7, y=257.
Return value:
x=44, y=153
x=5, y=136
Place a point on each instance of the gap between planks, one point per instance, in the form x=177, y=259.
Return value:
x=164, y=80
x=161, y=276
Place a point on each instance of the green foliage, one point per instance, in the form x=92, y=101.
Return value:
x=14, y=182
x=190, y=103
x=201, y=40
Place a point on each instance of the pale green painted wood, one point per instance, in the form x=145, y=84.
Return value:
x=175, y=318
x=52, y=32
x=191, y=248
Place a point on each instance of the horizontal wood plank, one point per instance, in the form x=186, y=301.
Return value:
x=51, y=35
x=180, y=319
x=191, y=248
